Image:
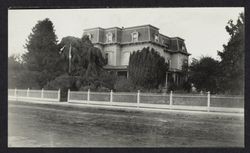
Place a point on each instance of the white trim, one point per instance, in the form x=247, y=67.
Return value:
x=177, y=44
x=178, y=62
x=116, y=35
x=89, y=35
x=98, y=35
x=127, y=51
x=138, y=27
x=156, y=36
x=108, y=35
x=149, y=36
x=137, y=36
x=89, y=30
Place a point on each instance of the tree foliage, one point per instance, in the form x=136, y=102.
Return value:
x=204, y=74
x=46, y=63
x=147, y=68
x=123, y=85
x=226, y=75
x=42, y=54
x=86, y=63
x=86, y=59
x=42, y=47
x=232, y=57
x=78, y=67
x=19, y=76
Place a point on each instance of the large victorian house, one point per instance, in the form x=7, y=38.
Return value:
x=117, y=43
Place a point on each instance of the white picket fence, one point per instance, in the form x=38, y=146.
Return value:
x=210, y=103
x=33, y=95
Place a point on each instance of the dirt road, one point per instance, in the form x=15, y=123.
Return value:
x=47, y=125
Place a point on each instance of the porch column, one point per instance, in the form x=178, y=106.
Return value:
x=177, y=79
x=174, y=78
x=166, y=84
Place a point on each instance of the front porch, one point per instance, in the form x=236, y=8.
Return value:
x=174, y=77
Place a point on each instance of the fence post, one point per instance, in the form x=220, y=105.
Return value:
x=42, y=93
x=15, y=94
x=208, y=101
x=88, y=98
x=171, y=99
x=138, y=98
x=28, y=90
x=111, y=96
x=58, y=94
x=68, y=97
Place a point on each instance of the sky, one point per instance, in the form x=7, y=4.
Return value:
x=203, y=29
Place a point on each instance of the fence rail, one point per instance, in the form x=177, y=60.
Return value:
x=31, y=95
x=213, y=103
x=169, y=101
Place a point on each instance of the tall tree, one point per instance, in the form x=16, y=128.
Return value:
x=232, y=57
x=147, y=68
x=42, y=47
x=43, y=52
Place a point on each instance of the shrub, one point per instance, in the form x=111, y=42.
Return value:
x=63, y=82
x=123, y=85
x=147, y=68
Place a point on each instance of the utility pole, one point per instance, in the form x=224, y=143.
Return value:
x=70, y=58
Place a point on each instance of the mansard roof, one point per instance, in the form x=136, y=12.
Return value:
x=171, y=45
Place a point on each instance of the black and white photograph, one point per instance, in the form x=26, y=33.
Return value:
x=126, y=77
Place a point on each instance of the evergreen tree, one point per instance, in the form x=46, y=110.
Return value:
x=42, y=47
x=147, y=68
x=43, y=53
x=232, y=58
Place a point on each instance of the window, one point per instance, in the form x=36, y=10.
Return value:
x=183, y=48
x=107, y=58
x=165, y=42
x=90, y=36
x=134, y=36
x=109, y=37
x=156, y=38
x=122, y=74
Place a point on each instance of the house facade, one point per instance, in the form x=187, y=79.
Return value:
x=117, y=43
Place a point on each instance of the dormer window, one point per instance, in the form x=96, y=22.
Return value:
x=109, y=37
x=164, y=42
x=156, y=38
x=183, y=48
x=89, y=36
x=167, y=45
x=134, y=36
